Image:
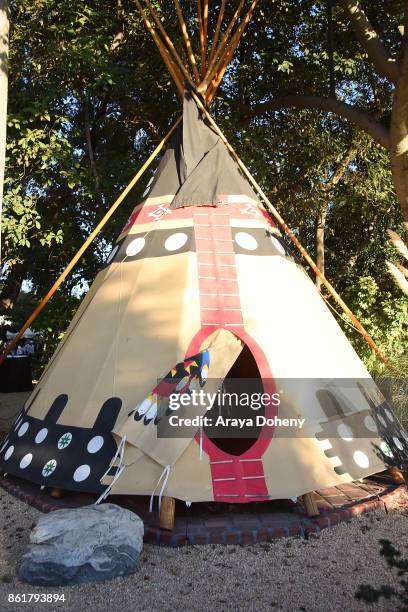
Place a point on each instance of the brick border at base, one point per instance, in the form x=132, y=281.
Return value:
x=297, y=526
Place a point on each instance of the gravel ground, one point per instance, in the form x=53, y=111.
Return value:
x=289, y=574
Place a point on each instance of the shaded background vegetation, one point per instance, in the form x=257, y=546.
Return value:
x=89, y=98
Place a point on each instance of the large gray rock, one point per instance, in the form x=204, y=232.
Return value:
x=72, y=546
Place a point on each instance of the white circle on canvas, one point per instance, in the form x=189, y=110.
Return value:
x=49, y=468
x=26, y=460
x=22, y=429
x=82, y=473
x=382, y=420
x=134, y=247
x=95, y=444
x=246, y=241
x=42, y=434
x=386, y=449
x=398, y=444
x=361, y=459
x=175, y=241
x=9, y=452
x=389, y=414
x=370, y=423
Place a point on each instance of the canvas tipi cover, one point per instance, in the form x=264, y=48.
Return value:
x=199, y=281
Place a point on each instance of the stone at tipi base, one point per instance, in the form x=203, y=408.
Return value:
x=89, y=544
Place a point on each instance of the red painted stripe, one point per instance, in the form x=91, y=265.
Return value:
x=235, y=481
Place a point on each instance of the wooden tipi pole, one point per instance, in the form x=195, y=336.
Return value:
x=217, y=31
x=223, y=43
x=187, y=41
x=289, y=232
x=169, y=42
x=201, y=33
x=222, y=64
x=172, y=68
x=205, y=28
x=88, y=241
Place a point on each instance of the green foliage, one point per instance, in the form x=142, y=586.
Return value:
x=394, y=560
x=90, y=84
x=383, y=314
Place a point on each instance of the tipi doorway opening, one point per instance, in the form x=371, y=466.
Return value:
x=241, y=382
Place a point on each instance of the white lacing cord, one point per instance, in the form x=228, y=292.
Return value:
x=165, y=474
x=121, y=452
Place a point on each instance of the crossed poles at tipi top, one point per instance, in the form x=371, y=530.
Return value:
x=204, y=81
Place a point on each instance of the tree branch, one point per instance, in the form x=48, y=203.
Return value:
x=399, y=136
x=369, y=39
x=91, y=152
x=341, y=168
x=362, y=119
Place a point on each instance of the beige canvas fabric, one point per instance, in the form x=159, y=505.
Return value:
x=209, y=284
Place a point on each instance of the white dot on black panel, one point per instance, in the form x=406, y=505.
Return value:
x=246, y=241
x=42, y=434
x=175, y=241
x=81, y=473
x=95, y=444
x=22, y=430
x=26, y=460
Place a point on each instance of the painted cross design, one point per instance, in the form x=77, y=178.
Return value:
x=49, y=468
x=64, y=440
x=159, y=212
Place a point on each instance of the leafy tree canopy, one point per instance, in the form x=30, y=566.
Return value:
x=90, y=98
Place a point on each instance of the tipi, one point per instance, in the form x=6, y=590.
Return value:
x=200, y=290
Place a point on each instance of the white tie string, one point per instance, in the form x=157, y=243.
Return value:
x=120, y=451
x=165, y=473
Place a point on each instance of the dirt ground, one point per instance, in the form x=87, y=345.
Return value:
x=317, y=574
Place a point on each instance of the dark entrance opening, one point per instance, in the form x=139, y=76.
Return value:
x=243, y=382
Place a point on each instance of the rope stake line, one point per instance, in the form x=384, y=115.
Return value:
x=270, y=207
x=88, y=241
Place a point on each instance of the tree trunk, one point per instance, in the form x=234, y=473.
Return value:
x=12, y=287
x=399, y=136
x=320, y=227
x=338, y=174
x=4, y=36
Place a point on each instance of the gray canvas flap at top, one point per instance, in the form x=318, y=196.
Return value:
x=197, y=166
